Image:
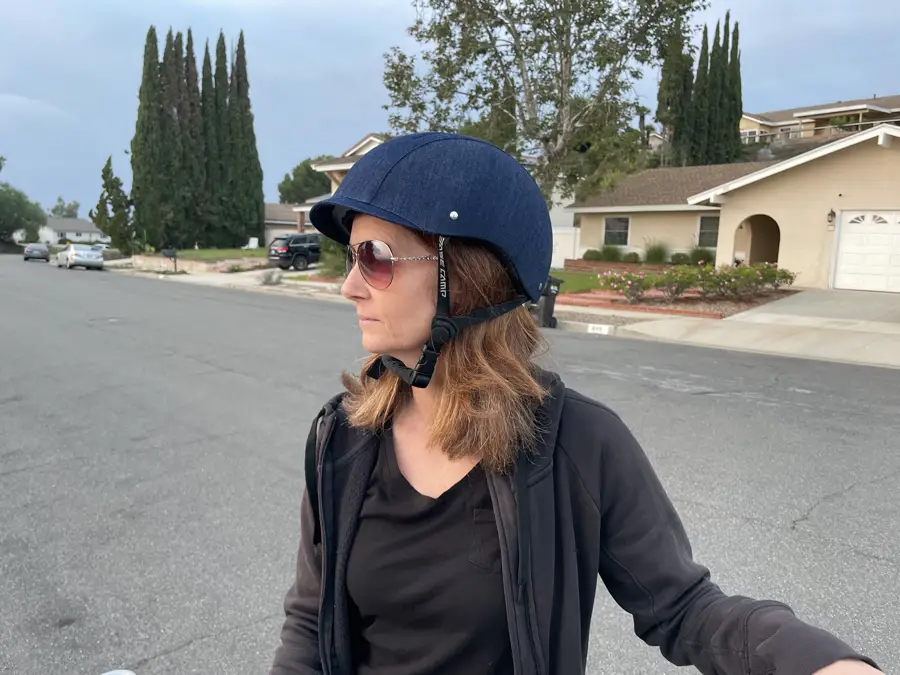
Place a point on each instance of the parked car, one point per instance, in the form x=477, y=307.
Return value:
x=37, y=252
x=100, y=246
x=80, y=255
x=295, y=250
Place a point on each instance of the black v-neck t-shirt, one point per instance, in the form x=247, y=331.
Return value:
x=424, y=579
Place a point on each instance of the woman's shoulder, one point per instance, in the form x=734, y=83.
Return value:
x=593, y=436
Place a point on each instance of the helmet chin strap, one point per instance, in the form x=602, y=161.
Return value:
x=443, y=329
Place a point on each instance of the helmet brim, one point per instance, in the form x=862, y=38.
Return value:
x=328, y=217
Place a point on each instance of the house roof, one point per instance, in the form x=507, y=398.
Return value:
x=278, y=213
x=884, y=133
x=309, y=203
x=888, y=103
x=354, y=149
x=337, y=162
x=668, y=186
x=60, y=225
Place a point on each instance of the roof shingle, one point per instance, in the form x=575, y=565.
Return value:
x=668, y=185
x=280, y=212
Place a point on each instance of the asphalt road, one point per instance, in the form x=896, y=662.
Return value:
x=151, y=439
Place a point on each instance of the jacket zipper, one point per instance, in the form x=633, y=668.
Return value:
x=324, y=649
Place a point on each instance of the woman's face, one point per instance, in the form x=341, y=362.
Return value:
x=396, y=320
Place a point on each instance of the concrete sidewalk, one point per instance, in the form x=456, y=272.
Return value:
x=861, y=342
x=781, y=328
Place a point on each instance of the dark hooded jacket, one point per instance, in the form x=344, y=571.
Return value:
x=587, y=502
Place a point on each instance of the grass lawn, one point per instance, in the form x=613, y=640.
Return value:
x=574, y=282
x=215, y=254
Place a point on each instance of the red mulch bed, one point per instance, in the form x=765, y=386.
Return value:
x=653, y=302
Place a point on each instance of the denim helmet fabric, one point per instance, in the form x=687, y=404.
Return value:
x=454, y=186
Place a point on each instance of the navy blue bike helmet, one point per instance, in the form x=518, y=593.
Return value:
x=448, y=185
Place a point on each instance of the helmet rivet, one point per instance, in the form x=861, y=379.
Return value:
x=454, y=215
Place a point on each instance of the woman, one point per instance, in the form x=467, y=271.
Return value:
x=461, y=501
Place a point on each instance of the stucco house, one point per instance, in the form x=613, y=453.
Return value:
x=832, y=214
x=819, y=121
x=280, y=219
x=70, y=229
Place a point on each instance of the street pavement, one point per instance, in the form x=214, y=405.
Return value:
x=151, y=446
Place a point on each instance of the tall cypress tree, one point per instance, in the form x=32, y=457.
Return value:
x=147, y=167
x=674, y=96
x=714, y=96
x=194, y=158
x=171, y=73
x=684, y=123
x=737, y=95
x=224, y=226
x=247, y=179
x=723, y=138
x=700, y=104
x=213, y=163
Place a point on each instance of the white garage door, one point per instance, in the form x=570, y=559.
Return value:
x=868, y=256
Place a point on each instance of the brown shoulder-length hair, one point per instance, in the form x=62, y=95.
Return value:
x=487, y=374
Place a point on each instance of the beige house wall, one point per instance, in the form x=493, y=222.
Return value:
x=862, y=177
x=678, y=229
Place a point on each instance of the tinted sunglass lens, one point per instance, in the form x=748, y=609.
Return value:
x=376, y=264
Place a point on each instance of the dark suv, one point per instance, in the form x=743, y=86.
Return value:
x=295, y=250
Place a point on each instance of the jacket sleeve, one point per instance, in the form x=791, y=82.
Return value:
x=298, y=653
x=647, y=565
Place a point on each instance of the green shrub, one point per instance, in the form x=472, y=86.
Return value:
x=632, y=257
x=333, y=261
x=680, y=259
x=592, y=255
x=631, y=285
x=657, y=253
x=674, y=281
x=703, y=256
x=611, y=254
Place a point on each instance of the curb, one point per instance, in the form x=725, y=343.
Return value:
x=601, y=329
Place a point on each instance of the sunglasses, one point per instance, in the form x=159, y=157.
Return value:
x=376, y=262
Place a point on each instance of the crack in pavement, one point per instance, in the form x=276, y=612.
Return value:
x=200, y=638
x=837, y=494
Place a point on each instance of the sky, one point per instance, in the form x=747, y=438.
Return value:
x=70, y=72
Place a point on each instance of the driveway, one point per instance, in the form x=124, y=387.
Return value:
x=151, y=467
x=829, y=306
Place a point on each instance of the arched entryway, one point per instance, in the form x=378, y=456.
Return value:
x=757, y=240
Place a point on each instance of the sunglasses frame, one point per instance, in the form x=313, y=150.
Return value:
x=353, y=260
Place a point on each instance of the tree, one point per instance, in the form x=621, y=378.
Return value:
x=18, y=212
x=173, y=204
x=498, y=124
x=2, y=162
x=714, y=95
x=213, y=158
x=736, y=100
x=63, y=209
x=569, y=64
x=113, y=214
x=700, y=105
x=676, y=85
x=304, y=182
x=222, y=230
x=246, y=179
x=193, y=148
x=147, y=161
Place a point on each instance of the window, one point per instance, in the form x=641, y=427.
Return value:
x=78, y=234
x=709, y=232
x=616, y=231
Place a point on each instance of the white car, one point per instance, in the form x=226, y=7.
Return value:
x=80, y=255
